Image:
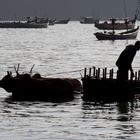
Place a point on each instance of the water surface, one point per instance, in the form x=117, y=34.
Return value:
x=63, y=51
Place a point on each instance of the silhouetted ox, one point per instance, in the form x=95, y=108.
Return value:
x=27, y=87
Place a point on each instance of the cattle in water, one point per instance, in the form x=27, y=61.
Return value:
x=27, y=87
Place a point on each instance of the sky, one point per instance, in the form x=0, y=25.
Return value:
x=61, y=9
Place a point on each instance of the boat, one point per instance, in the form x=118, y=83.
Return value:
x=129, y=34
x=22, y=25
x=101, y=85
x=63, y=21
x=87, y=20
x=51, y=21
x=29, y=23
x=119, y=24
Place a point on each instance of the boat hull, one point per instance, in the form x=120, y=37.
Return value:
x=22, y=25
x=87, y=20
x=62, y=21
x=120, y=36
x=116, y=26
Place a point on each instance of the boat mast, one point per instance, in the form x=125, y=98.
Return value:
x=137, y=10
x=125, y=10
x=113, y=24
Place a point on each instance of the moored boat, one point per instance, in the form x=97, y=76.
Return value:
x=63, y=21
x=130, y=34
x=87, y=20
x=30, y=23
x=118, y=24
x=51, y=21
x=22, y=25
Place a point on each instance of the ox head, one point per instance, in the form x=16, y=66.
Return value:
x=7, y=82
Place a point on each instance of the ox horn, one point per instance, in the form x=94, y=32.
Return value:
x=16, y=70
x=31, y=70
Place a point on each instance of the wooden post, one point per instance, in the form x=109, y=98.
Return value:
x=98, y=72
x=89, y=72
x=112, y=73
x=109, y=74
x=85, y=72
x=131, y=76
x=105, y=72
x=94, y=71
x=138, y=75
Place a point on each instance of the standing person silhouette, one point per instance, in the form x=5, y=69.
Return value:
x=124, y=62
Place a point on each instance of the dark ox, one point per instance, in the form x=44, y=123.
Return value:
x=25, y=87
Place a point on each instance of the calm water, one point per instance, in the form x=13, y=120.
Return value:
x=58, y=51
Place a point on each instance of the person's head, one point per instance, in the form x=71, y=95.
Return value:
x=137, y=45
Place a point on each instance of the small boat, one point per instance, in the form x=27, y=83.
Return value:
x=119, y=24
x=30, y=23
x=63, y=21
x=87, y=20
x=102, y=85
x=51, y=21
x=130, y=34
x=22, y=25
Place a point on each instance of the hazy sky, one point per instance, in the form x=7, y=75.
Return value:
x=11, y=9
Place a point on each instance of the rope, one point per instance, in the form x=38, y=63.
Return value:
x=66, y=72
x=137, y=9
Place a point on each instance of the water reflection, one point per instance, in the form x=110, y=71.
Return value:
x=27, y=109
x=124, y=111
x=119, y=117
x=92, y=110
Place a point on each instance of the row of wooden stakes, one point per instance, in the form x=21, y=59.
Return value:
x=104, y=73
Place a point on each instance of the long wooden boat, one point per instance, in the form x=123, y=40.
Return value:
x=87, y=20
x=30, y=23
x=102, y=85
x=119, y=24
x=63, y=21
x=22, y=25
x=130, y=34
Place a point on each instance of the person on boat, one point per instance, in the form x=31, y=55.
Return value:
x=124, y=62
x=113, y=24
x=126, y=23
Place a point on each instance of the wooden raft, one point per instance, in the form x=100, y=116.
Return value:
x=103, y=84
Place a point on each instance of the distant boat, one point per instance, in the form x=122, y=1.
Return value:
x=87, y=20
x=30, y=23
x=51, y=21
x=130, y=34
x=119, y=24
x=63, y=21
